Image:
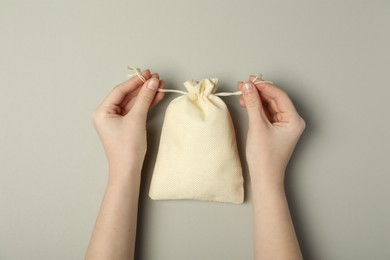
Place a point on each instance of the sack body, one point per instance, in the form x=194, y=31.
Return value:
x=197, y=156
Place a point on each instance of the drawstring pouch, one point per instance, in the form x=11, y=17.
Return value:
x=197, y=157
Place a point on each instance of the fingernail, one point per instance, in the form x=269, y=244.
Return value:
x=152, y=84
x=247, y=88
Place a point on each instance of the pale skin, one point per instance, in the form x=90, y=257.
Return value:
x=274, y=129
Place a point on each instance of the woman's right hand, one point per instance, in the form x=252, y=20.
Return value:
x=121, y=122
x=274, y=129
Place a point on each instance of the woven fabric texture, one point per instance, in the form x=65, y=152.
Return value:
x=197, y=156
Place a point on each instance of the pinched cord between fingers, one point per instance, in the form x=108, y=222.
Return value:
x=222, y=94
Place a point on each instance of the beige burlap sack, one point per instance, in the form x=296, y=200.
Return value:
x=197, y=156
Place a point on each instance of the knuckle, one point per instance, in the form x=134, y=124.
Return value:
x=283, y=94
x=96, y=116
x=251, y=101
x=300, y=124
x=146, y=97
x=303, y=123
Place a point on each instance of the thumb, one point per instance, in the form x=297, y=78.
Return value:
x=145, y=97
x=253, y=103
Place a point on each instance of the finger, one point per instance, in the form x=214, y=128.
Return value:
x=121, y=91
x=253, y=103
x=145, y=97
x=159, y=96
x=129, y=101
x=239, y=87
x=242, y=103
x=277, y=98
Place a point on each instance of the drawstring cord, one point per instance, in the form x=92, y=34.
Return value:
x=221, y=94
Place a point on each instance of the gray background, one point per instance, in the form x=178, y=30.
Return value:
x=59, y=59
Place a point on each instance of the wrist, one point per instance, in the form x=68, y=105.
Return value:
x=123, y=164
x=267, y=177
x=124, y=174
